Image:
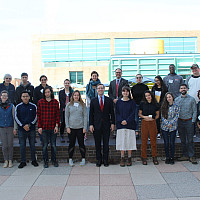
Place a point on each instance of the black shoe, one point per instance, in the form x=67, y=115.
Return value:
x=55, y=163
x=62, y=140
x=46, y=165
x=34, y=163
x=171, y=161
x=167, y=161
x=105, y=163
x=193, y=160
x=21, y=165
x=98, y=164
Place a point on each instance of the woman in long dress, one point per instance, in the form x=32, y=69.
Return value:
x=125, y=121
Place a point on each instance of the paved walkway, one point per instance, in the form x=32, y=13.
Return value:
x=172, y=182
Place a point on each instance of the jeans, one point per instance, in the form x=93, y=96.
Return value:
x=49, y=135
x=185, y=129
x=23, y=135
x=169, y=142
x=137, y=117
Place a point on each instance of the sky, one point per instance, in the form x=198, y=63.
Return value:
x=20, y=20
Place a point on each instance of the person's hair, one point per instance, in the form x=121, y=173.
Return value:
x=126, y=87
x=94, y=72
x=117, y=69
x=24, y=74
x=163, y=86
x=195, y=65
x=51, y=90
x=183, y=84
x=25, y=92
x=3, y=91
x=100, y=84
x=165, y=105
x=153, y=100
x=198, y=93
x=67, y=80
x=172, y=65
x=43, y=76
x=7, y=75
x=138, y=75
x=80, y=99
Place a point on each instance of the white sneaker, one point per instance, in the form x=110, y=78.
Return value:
x=71, y=163
x=82, y=162
x=10, y=164
x=158, y=136
x=5, y=165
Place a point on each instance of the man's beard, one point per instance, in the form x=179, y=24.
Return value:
x=184, y=92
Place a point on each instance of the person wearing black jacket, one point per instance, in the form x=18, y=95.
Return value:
x=25, y=85
x=159, y=90
x=26, y=117
x=38, y=91
x=10, y=88
x=64, y=99
x=137, y=92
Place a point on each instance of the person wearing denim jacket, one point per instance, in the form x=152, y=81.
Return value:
x=169, y=116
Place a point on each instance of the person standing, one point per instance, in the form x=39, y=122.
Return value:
x=38, y=94
x=149, y=112
x=64, y=99
x=48, y=122
x=115, y=88
x=159, y=90
x=10, y=88
x=173, y=81
x=101, y=120
x=7, y=111
x=169, y=116
x=137, y=94
x=76, y=124
x=187, y=118
x=26, y=117
x=125, y=122
x=25, y=85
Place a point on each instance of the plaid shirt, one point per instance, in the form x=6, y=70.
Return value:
x=172, y=119
x=48, y=114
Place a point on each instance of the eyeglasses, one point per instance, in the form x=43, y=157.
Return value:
x=43, y=79
x=118, y=72
x=138, y=77
x=8, y=78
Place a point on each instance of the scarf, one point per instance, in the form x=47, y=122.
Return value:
x=89, y=89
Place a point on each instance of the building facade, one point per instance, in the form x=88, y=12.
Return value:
x=75, y=56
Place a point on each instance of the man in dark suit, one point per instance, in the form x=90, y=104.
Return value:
x=115, y=88
x=101, y=120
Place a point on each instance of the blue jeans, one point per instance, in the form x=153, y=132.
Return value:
x=49, y=135
x=169, y=142
x=23, y=135
x=137, y=117
x=185, y=129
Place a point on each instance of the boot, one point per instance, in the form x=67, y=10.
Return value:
x=122, y=162
x=129, y=163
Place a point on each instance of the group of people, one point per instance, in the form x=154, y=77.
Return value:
x=165, y=110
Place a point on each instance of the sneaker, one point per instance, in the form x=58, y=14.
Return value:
x=129, y=163
x=183, y=158
x=158, y=136
x=193, y=160
x=5, y=165
x=177, y=135
x=171, y=162
x=122, y=162
x=82, y=163
x=55, y=163
x=46, y=165
x=34, y=163
x=21, y=165
x=71, y=163
x=10, y=164
x=194, y=136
